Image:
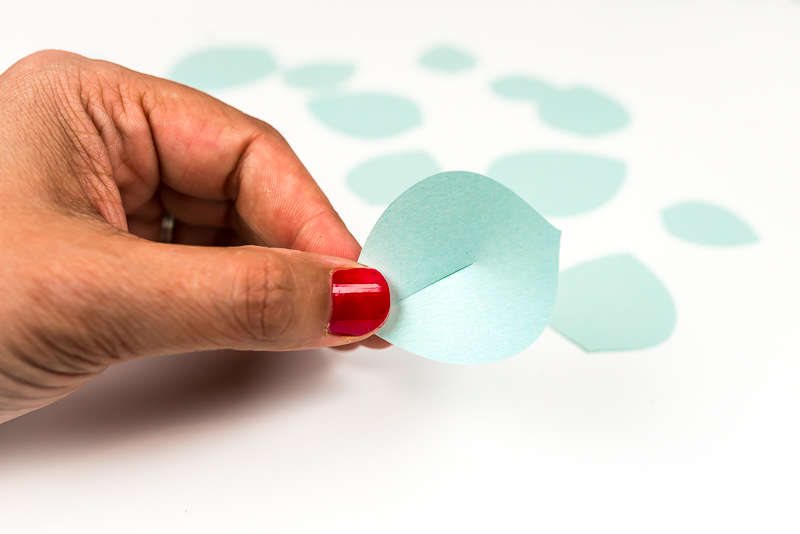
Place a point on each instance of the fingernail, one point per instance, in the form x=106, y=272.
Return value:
x=360, y=301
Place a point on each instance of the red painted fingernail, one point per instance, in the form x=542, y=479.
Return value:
x=360, y=302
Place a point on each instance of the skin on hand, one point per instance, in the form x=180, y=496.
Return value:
x=92, y=155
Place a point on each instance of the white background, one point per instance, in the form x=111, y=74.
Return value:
x=700, y=434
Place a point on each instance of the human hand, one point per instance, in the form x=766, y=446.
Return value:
x=92, y=156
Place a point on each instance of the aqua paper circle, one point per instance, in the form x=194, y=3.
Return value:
x=472, y=269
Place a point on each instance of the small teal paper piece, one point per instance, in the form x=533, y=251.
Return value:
x=583, y=111
x=447, y=59
x=613, y=303
x=560, y=183
x=319, y=75
x=367, y=115
x=472, y=269
x=381, y=180
x=580, y=110
x=706, y=224
x=219, y=68
x=523, y=88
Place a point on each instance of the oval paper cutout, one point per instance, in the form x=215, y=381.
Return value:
x=381, y=180
x=218, y=68
x=447, y=59
x=582, y=111
x=613, y=303
x=560, y=183
x=367, y=114
x=471, y=267
x=522, y=88
x=704, y=224
x=319, y=75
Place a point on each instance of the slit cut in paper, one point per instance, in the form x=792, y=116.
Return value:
x=471, y=267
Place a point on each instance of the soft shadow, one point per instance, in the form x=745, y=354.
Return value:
x=154, y=394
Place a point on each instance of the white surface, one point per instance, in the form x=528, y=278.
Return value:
x=697, y=435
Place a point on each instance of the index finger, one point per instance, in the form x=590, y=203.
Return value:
x=204, y=148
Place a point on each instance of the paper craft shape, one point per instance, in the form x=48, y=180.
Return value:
x=319, y=75
x=580, y=110
x=560, y=183
x=367, y=115
x=472, y=269
x=223, y=67
x=381, y=180
x=447, y=59
x=706, y=224
x=522, y=88
x=613, y=303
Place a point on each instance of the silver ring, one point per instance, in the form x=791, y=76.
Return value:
x=167, y=229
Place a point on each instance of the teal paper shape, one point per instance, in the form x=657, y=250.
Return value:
x=560, y=183
x=522, y=88
x=447, y=59
x=613, y=303
x=218, y=68
x=381, y=180
x=705, y=224
x=319, y=75
x=580, y=110
x=472, y=269
x=583, y=111
x=367, y=115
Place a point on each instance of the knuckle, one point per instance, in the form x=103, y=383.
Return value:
x=263, y=300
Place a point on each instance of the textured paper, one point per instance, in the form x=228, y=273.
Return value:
x=472, y=269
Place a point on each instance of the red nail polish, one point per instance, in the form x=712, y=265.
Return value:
x=360, y=301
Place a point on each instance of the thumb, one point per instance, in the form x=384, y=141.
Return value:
x=156, y=299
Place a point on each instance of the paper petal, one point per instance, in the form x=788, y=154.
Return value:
x=560, y=183
x=218, y=68
x=522, y=88
x=367, y=114
x=705, y=224
x=613, y=303
x=447, y=59
x=583, y=111
x=472, y=269
x=383, y=179
x=319, y=75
